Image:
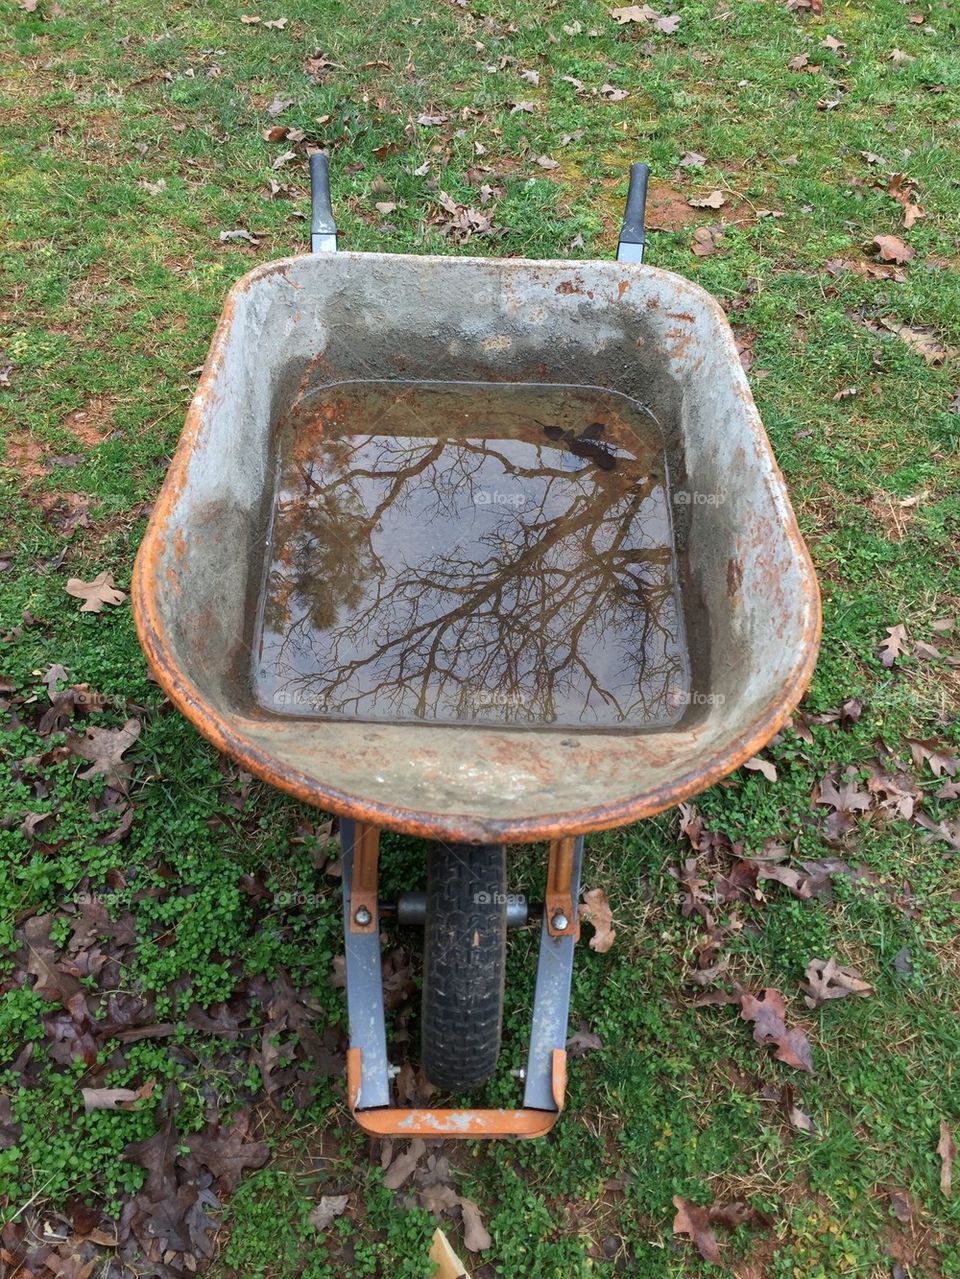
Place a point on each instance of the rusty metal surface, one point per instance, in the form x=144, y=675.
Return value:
x=751, y=597
x=558, y=898
x=363, y=891
x=467, y=1124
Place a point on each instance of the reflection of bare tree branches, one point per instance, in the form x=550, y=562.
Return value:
x=500, y=571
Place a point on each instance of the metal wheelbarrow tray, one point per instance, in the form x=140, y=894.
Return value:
x=651, y=348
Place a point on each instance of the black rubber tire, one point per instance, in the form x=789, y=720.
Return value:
x=464, y=954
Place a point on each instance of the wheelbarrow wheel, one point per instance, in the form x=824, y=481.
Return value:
x=464, y=953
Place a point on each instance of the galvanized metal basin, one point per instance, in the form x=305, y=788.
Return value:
x=750, y=598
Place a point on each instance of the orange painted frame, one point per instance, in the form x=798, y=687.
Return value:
x=389, y=1121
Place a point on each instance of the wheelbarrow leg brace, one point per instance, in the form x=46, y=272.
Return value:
x=368, y=1071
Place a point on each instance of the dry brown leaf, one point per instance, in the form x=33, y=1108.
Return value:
x=846, y=800
x=758, y=765
x=934, y=754
x=384, y=207
x=276, y=24
x=694, y=1221
x=476, y=1237
x=115, y=1098
x=826, y=979
x=923, y=342
x=404, y=1164
x=329, y=1207
x=705, y=241
x=667, y=25
x=715, y=200
x=892, y=249
x=894, y=646
x=946, y=1150
x=95, y=594
x=595, y=909
x=634, y=13
x=582, y=1041
x=768, y=1014
x=249, y=19
x=104, y=747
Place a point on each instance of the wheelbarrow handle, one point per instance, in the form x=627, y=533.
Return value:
x=323, y=229
x=632, y=234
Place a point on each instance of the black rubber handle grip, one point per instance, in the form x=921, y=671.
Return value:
x=321, y=212
x=632, y=231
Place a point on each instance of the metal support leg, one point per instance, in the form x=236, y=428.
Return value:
x=551, y=998
x=368, y=1072
x=363, y=971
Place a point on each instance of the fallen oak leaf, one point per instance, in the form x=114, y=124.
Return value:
x=949, y=832
x=102, y=590
x=799, y=885
x=582, y=1041
x=329, y=1207
x=845, y=800
x=768, y=1013
x=826, y=980
x=228, y=237
x=439, y=1198
x=764, y=766
x=115, y=1098
x=51, y=678
x=715, y=200
x=694, y=1221
x=892, y=249
x=893, y=646
x=922, y=342
x=595, y=909
x=104, y=748
x=52, y=982
x=476, y=1237
x=705, y=241
x=931, y=751
x=403, y=1165
x=634, y=13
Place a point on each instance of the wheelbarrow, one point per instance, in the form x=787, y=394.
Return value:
x=485, y=551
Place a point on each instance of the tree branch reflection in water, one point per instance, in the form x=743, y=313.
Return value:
x=451, y=552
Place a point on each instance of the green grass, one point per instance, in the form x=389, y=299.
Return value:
x=109, y=296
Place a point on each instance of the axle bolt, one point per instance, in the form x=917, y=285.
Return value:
x=560, y=921
x=362, y=917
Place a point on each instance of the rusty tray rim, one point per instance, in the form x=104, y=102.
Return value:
x=188, y=700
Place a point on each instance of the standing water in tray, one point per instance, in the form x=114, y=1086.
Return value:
x=455, y=552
